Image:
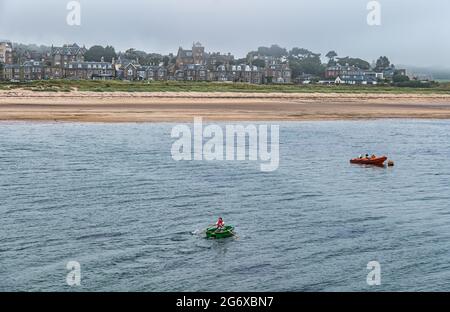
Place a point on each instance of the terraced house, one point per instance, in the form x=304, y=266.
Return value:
x=278, y=73
x=216, y=59
x=33, y=70
x=60, y=56
x=134, y=71
x=68, y=62
x=12, y=72
x=247, y=73
x=237, y=73
x=156, y=73
x=351, y=75
x=192, y=72
x=29, y=70
x=89, y=70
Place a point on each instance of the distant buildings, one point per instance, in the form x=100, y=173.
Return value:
x=12, y=72
x=353, y=75
x=198, y=56
x=197, y=65
x=134, y=71
x=6, y=56
x=278, y=73
x=30, y=70
x=237, y=73
x=195, y=56
x=68, y=62
x=33, y=70
x=192, y=72
x=89, y=70
x=61, y=56
x=216, y=59
x=269, y=59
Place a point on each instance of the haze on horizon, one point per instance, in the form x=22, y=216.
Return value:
x=413, y=32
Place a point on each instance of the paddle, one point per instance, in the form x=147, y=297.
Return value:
x=234, y=235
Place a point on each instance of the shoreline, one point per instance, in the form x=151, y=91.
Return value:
x=77, y=106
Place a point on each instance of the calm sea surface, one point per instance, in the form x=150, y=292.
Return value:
x=110, y=197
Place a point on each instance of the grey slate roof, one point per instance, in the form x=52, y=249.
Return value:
x=88, y=65
x=69, y=50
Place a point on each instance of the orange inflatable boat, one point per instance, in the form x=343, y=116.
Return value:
x=377, y=161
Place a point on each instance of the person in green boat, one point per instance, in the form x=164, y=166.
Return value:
x=220, y=224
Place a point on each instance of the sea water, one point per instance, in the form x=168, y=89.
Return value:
x=110, y=197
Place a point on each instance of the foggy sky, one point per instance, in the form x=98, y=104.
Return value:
x=413, y=32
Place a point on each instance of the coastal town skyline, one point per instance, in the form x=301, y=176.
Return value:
x=227, y=27
x=265, y=65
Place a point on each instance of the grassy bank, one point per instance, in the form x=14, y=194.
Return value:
x=172, y=86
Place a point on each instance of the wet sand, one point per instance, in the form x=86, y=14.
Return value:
x=78, y=106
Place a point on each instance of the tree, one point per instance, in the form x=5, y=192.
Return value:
x=331, y=55
x=354, y=62
x=110, y=53
x=153, y=59
x=301, y=53
x=239, y=61
x=382, y=63
x=304, y=61
x=398, y=78
x=274, y=50
x=133, y=54
x=23, y=52
x=312, y=66
x=259, y=63
x=95, y=54
x=146, y=59
x=166, y=61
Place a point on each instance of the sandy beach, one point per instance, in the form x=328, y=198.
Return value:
x=23, y=105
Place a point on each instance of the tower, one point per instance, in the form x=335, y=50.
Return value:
x=198, y=53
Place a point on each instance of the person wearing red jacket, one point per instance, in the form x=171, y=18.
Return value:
x=220, y=224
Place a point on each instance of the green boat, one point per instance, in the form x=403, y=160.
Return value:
x=213, y=232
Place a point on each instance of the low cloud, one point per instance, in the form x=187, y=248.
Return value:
x=412, y=31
